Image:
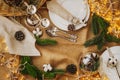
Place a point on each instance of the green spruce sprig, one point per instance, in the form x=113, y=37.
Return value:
x=99, y=24
x=33, y=71
x=52, y=74
x=100, y=28
x=30, y=69
x=45, y=42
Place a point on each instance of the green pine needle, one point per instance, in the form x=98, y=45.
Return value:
x=49, y=75
x=99, y=27
x=94, y=24
x=33, y=71
x=98, y=23
x=30, y=69
x=111, y=38
x=45, y=42
x=58, y=71
x=26, y=59
x=52, y=74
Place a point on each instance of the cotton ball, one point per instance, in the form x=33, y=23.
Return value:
x=86, y=60
x=94, y=54
x=88, y=56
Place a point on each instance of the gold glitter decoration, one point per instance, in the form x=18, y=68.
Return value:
x=9, y=62
x=3, y=46
x=94, y=77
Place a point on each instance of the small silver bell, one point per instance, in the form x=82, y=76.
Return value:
x=45, y=22
x=31, y=9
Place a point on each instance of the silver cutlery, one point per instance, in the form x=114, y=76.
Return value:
x=67, y=34
x=55, y=32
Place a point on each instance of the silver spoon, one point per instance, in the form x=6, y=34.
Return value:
x=73, y=36
x=53, y=33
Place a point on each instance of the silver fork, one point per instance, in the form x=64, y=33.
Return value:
x=53, y=33
x=67, y=34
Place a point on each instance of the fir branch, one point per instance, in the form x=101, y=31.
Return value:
x=91, y=42
x=103, y=24
x=94, y=24
x=33, y=71
x=30, y=69
x=99, y=28
x=111, y=38
x=26, y=58
x=52, y=74
x=96, y=65
x=98, y=40
x=101, y=35
x=45, y=42
x=39, y=73
x=58, y=71
x=49, y=75
x=98, y=24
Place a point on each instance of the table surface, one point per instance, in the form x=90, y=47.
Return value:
x=65, y=52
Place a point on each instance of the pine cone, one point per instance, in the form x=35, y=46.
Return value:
x=71, y=68
x=19, y=35
x=71, y=27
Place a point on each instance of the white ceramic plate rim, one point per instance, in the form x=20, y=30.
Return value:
x=115, y=50
x=55, y=19
x=104, y=58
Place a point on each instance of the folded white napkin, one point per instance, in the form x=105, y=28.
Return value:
x=55, y=7
x=26, y=47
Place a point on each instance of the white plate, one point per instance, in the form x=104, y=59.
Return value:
x=77, y=8
x=110, y=72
